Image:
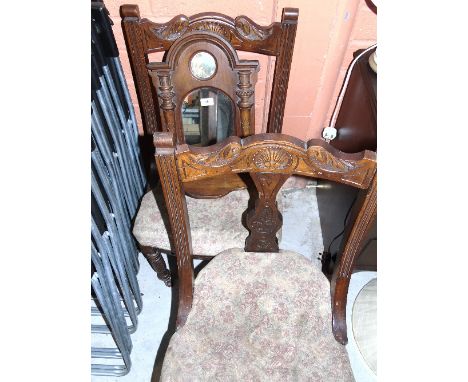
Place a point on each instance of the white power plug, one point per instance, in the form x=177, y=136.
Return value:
x=329, y=133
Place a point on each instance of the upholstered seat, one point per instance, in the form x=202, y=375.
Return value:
x=258, y=317
x=216, y=224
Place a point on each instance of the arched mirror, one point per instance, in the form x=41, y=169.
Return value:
x=207, y=116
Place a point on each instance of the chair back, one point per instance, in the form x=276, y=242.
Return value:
x=218, y=35
x=269, y=159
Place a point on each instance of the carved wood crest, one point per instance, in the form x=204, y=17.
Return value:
x=221, y=157
x=238, y=31
x=257, y=154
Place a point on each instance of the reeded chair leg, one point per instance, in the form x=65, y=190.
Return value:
x=365, y=213
x=155, y=259
x=339, y=298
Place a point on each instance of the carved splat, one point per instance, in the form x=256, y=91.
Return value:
x=235, y=77
x=265, y=220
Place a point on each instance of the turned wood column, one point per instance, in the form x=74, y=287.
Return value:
x=245, y=103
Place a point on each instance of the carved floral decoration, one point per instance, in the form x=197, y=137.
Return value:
x=251, y=31
x=181, y=24
x=324, y=159
x=220, y=158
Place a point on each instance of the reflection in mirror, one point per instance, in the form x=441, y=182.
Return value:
x=203, y=65
x=207, y=117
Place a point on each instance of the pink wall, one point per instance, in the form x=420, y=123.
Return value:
x=328, y=33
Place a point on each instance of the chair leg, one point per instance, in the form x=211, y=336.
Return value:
x=364, y=214
x=155, y=259
x=339, y=298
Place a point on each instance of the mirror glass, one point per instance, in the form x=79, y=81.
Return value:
x=207, y=117
x=203, y=65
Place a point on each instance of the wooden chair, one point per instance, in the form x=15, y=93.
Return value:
x=201, y=61
x=258, y=313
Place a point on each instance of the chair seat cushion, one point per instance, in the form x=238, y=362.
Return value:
x=216, y=224
x=258, y=317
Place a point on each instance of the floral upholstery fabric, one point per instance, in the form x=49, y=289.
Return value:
x=215, y=224
x=258, y=317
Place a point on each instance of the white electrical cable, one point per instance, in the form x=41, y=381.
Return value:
x=343, y=89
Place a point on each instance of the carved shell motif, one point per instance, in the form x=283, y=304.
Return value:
x=208, y=26
x=272, y=159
